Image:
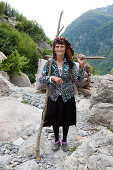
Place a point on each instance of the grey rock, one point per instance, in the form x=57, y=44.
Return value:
x=2, y=56
x=93, y=153
x=5, y=75
x=102, y=113
x=29, y=165
x=5, y=160
x=18, y=118
x=21, y=80
x=18, y=142
x=4, y=89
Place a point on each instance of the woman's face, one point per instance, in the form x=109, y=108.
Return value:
x=60, y=49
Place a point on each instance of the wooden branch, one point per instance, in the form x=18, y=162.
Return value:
x=94, y=57
x=43, y=117
x=59, y=23
x=46, y=100
x=61, y=29
x=48, y=56
x=40, y=128
x=41, y=52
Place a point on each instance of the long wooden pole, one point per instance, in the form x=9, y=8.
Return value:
x=46, y=100
x=93, y=57
x=58, y=29
x=42, y=119
x=98, y=57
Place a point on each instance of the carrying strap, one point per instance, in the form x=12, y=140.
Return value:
x=74, y=84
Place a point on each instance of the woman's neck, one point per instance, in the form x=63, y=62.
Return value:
x=60, y=58
x=60, y=61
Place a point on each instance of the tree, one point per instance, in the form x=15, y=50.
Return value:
x=2, y=8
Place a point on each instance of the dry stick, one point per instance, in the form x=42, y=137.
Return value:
x=41, y=52
x=94, y=57
x=61, y=29
x=42, y=119
x=45, y=106
x=48, y=56
x=58, y=29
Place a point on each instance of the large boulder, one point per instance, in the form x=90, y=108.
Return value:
x=8, y=84
x=102, y=113
x=102, y=102
x=17, y=119
x=21, y=80
x=104, y=90
x=5, y=75
x=94, y=153
x=29, y=146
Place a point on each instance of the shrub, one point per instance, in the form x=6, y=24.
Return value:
x=13, y=64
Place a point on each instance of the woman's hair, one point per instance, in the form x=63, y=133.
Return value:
x=69, y=52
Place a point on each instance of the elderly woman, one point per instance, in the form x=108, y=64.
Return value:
x=61, y=106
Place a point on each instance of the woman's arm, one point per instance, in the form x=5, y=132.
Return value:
x=44, y=75
x=49, y=79
x=78, y=74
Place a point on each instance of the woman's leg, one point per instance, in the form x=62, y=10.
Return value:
x=65, y=132
x=56, y=144
x=56, y=132
x=64, y=141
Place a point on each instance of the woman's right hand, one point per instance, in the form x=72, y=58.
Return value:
x=57, y=80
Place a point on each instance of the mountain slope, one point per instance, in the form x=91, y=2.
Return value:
x=92, y=34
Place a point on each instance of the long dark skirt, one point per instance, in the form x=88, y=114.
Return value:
x=60, y=113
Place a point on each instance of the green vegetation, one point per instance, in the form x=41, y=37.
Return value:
x=110, y=129
x=13, y=64
x=91, y=34
x=19, y=42
x=73, y=149
x=11, y=39
x=32, y=28
x=25, y=101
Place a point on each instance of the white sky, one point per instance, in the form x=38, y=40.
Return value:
x=47, y=12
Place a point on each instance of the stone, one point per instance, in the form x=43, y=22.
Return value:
x=18, y=142
x=16, y=119
x=91, y=153
x=2, y=56
x=4, y=89
x=101, y=102
x=5, y=75
x=102, y=113
x=21, y=80
x=104, y=90
x=5, y=160
x=29, y=165
x=29, y=146
x=79, y=138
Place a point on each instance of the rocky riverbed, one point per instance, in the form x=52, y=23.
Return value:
x=11, y=154
x=90, y=145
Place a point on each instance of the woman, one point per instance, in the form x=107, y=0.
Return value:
x=61, y=107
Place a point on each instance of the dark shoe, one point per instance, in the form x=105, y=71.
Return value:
x=56, y=145
x=65, y=146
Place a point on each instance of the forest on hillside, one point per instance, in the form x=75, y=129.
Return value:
x=92, y=35
x=19, y=39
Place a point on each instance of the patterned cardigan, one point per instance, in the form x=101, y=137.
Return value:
x=66, y=90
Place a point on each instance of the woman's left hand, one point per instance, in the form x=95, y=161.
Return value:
x=81, y=60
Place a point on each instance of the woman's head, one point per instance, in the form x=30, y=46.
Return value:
x=69, y=52
x=62, y=40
